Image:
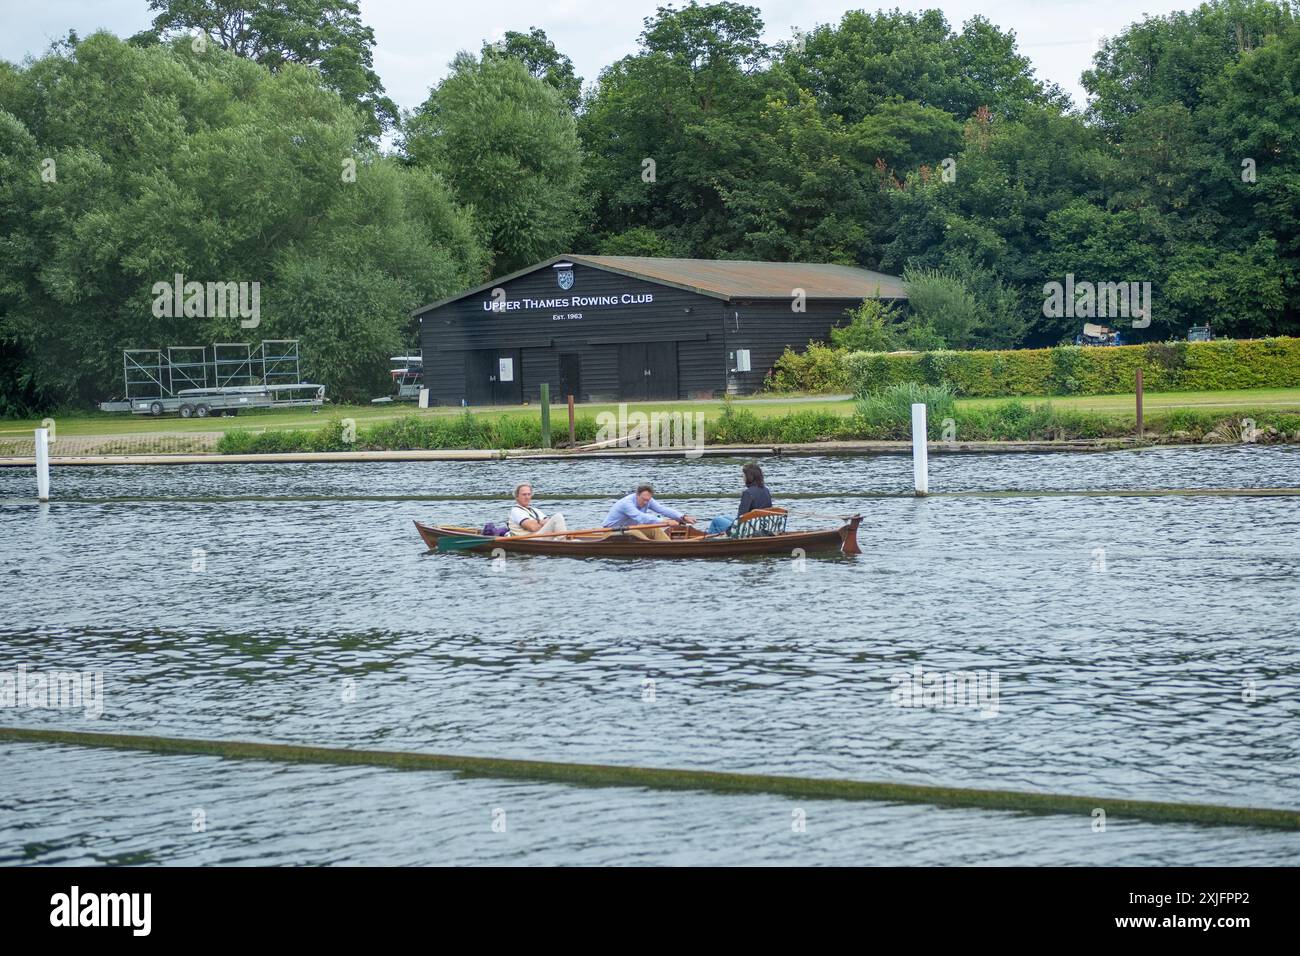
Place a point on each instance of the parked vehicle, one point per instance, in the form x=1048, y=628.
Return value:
x=1094, y=334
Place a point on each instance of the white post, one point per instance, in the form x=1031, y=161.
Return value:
x=424, y=398
x=42, y=464
x=920, y=464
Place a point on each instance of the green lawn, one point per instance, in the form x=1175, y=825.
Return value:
x=102, y=423
x=1279, y=399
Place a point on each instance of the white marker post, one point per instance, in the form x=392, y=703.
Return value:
x=920, y=464
x=42, y=464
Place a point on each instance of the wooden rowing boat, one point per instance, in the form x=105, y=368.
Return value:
x=683, y=542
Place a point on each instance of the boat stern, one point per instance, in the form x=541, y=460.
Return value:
x=849, y=536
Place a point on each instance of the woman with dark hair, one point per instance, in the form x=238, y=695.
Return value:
x=754, y=496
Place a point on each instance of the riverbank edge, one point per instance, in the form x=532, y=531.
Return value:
x=846, y=448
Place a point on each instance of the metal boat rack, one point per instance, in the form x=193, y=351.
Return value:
x=190, y=380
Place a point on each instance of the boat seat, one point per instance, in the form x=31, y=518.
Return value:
x=761, y=522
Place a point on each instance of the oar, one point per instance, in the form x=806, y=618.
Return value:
x=582, y=531
x=464, y=543
x=458, y=543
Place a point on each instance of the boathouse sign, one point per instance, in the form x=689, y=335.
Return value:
x=502, y=304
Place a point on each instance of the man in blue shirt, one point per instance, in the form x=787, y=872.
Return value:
x=640, y=507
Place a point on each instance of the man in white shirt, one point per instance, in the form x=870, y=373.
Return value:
x=525, y=519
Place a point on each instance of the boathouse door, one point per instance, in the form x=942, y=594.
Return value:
x=493, y=377
x=571, y=376
x=647, y=370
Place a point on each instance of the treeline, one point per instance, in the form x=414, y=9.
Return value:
x=897, y=142
x=890, y=140
x=123, y=165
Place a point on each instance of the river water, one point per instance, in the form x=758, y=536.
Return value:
x=1143, y=647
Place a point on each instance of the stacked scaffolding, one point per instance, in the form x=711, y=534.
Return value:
x=232, y=364
x=279, y=361
x=158, y=373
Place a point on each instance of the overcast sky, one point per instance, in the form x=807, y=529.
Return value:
x=415, y=41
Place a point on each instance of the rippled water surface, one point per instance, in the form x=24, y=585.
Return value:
x=1143, y=646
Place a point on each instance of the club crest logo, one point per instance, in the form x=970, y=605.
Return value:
x=565, y=277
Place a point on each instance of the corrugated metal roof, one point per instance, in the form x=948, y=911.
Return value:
x=728, y=278
x=740, y=279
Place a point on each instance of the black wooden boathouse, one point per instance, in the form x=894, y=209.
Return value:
x=629, y=328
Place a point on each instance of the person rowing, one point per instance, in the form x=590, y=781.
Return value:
x=640, y=507
x=754, y=496
x=525, y=519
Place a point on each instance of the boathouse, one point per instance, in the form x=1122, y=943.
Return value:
x=629, y=328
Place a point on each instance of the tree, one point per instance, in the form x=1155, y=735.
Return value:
x=869, y=58
x=663, y=123
x=873, y=327
x=325, y=34
x=1252, y=115
x=637, y=241
x=121, y=166
x=942, y=308
x=1200, y=109
x=801, y=193
x=536, y=51
x=508, y=146
x=1173, y=59
x=1100, y=245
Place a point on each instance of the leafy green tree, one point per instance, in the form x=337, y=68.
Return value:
x=712, y=41
x=662, y=124
x=1004, y=310
x=870, y=58
x=1100, y=245
x=1197, y=105
x=801, y=194
x=122, y=166
x=1243, y=293
x=1172, y=59
x=906, y=135
x=1252, y=115
x=536, y=51
x=941, y=305
x=325, y=34
x=874, y=326
x=507, y=145
x=986, y=220
x=637, y=241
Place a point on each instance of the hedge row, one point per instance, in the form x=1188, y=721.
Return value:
x=1075, y=370
x=408, y=432
x=1007, y=421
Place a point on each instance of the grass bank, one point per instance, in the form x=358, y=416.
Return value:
x=1170, y=416
x=1005, y=421
x=82, y=423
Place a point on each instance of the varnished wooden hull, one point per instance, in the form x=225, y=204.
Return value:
x=686, y=543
